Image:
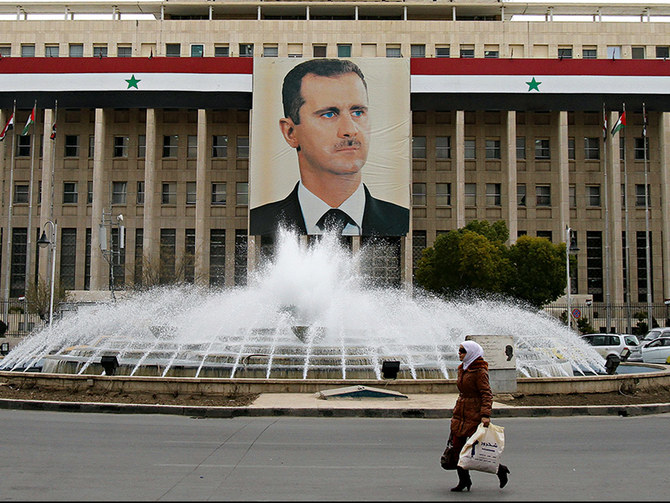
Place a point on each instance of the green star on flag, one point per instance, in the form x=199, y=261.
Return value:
x=132, y=82
x=534, y=84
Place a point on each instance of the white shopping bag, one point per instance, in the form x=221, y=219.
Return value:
x=482, y=450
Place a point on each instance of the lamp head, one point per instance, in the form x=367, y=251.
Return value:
x=43, y=240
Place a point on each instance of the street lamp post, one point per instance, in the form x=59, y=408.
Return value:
x=569, y=248
x=51, y=243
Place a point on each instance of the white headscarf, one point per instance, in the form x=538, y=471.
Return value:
x=473, y=351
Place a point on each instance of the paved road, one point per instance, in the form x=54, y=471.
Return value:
x=68, y=456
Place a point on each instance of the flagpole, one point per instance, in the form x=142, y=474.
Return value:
x=608, y=314
x=29, y=240
x=646, y=218
x=53, y=158
x=627, y=247
x=8, y=248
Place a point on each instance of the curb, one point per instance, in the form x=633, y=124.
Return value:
x=370, y=412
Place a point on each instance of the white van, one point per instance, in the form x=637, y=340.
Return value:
x=614, y=344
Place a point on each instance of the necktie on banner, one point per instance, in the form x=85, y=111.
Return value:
x=334, y=220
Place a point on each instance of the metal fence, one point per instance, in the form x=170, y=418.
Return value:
x=14, y=313
x=624, y=319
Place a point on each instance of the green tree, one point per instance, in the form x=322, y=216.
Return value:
x=538, y=270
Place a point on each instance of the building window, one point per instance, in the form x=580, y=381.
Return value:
x=189, y=255
x=470, y=148
x=662, y=52
x=613, y=52
x=594, y=265
x=443, y=194
x=21, y=193
x=68, y=257
x=139, y=256
x=592, y=148
x=418, y=147
x=221, y=51
x=124, y=51
x=295, y=50
x=590, y=53
x=544, y=234
x=217, y=257
x=192, y=146
x=521, y=194
x=172, y=50
x=640, y=150
x=76, y=50
x=219, y=193
x=319, y=51
x=270, y=51
x=419, y=243
x=491, y=53
x=542, y=148
x=470, y=194
x=343, y=50
x=119, y=191
x=419, y=194
x=220, y=146
x=639, y=195
x=91, y=146
x=493, y=196
x=169, y=193
x=70, y=193
x=18, y=262
x=543, y=195
x=242, y=147
x=622, y=148
x=492, y=149
x=141, y=146
x=23, y=145
x=418, y=51
x=467, y=51
x=565, y=53
x=572, y=196
x=121, y=146
x=140, y=192
x=197, y=50
x=87, y=259
x=593, y=195
x=170, y=143
x=5, y=51
x=27, y=50
x=443, y=147
x=242, y=194
x=240, y=257
x=637, y=52
x=51, y=51
x=641, y=245
x=442, y=52
x=100, y=51
x=191, y=192
x=168, y=252
x=246, y=50
x=521, y=147
x=71, y=145
x=571, y=149
x=89, y=192
x=393, y=51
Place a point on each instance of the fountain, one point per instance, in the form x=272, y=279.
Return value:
x=306, y=314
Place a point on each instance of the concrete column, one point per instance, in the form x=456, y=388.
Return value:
x=47, y=187
x=202, y=204
x=664, y=143
x=509, y=165
x=150, y=239
x=563, y=176
x=613, y=188
x=459, y=163
x=99, y=267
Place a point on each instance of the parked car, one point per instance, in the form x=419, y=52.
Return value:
x=655, y=333
x=614, y=344
x=657, y=351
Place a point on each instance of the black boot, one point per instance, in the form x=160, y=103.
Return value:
x=464, y=481
x=502, y=473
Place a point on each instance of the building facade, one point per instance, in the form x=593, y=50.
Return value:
x=490, y=138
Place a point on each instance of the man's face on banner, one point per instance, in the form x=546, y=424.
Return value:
x=334, y=130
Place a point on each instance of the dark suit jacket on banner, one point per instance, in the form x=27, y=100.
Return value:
x=380, y=218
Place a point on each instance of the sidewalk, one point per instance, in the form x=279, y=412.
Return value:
x=308, y=405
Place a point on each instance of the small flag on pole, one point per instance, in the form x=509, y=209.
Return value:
x=8, y=126
x=620, y=124
x=29, y=122
x=53, y=131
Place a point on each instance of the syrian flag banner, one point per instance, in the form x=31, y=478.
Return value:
x=620, y=124
x=8, y=126
x=53, y=132
x=604, y=126
x=29, y=122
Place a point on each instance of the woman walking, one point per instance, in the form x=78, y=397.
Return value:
x=472, y=407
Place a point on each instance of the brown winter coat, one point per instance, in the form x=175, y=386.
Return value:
x=474, y=400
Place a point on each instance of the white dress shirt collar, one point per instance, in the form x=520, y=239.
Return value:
x=314, y=208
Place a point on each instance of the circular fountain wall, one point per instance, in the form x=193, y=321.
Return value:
x=306, y=314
